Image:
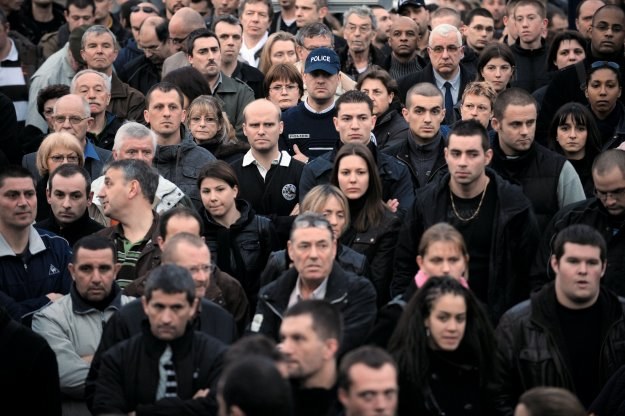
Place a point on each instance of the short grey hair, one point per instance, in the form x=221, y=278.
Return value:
x=98, y=30
x=313, y=30
x=133, y=130
x=363, y=12
x=107, y=80
x=444, y=30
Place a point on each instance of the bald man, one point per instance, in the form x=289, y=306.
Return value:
x=182, y=23
x=403, y=40
x=268, y=178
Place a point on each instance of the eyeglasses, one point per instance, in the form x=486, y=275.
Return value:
x=178, y=41
x=615, y=194
x=603, y=64
x=604, y=27
x=278, y=88
x=441, y=49
x=204, y=268
x=480, y=108
x=144, y=9
x=72, y=119
x=61, y=158
x=479, y=28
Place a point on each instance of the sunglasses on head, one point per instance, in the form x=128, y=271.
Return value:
x=144, y=9
x=603, y=64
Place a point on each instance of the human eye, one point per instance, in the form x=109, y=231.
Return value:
x=581, y=128
x=436, y=260
x=436, y=111
x=59, y=194
x=344, y=172
x=76, y=195
x=490, y=67
x=75, y=119
x=419, y=110
x=195, y=119
x=105, y=268
x=131, y=152
x=454, y=153
x=469, y=106
x=563, y=127
x=461, y=318
x=85, y=268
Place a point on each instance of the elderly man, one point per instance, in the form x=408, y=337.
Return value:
x=205, y=56
x=312, y=243
x=444, y=70
x=359, y=29
x=95, y=87
x=72, y=114
x=135, y=141
x=99, y=49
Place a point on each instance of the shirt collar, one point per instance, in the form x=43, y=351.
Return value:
x=440, y=81
x=35, y=244
x=284, y=159
x=318, y=294
x=13, y=53
x=90, y=151
x=219, y=80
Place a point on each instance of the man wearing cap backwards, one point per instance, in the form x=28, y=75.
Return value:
x=309, y=127
x=416, y=10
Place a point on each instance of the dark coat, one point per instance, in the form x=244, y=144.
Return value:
x=427, y=75
x=529, y=341
x=252, y=77
x=126, y=102
x=129, y=375
x=376, y=57
x=530, y=67
x=377, y=243
x=514, y=240
x=354, y=296
x=106, y=138
x=590, y=212
x=393, y=174
x=82, y=227
x=243, y=249
x=401, y=151
x=390, y=127
x=140, y=73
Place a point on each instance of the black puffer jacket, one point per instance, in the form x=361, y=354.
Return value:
x=528, y=340
x=243, y=249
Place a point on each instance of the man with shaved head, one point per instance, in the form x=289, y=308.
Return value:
x=268, y=178
x=182, y=23
x=403, y=39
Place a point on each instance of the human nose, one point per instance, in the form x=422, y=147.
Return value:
x=525, y=130
x=446, y=267
x=573, y=133
x=583, y=267
x=66, y=202
x=603, y=90
x=166, y=316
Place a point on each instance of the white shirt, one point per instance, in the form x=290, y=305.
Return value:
x=283, y=159
x=247, y=55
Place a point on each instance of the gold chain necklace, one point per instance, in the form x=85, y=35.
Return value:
x=477, y=211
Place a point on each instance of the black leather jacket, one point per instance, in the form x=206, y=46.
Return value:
x=528, y=344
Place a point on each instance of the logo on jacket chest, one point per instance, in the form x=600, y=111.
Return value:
x=289, y=191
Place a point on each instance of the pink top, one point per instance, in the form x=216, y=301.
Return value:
x=420, y=279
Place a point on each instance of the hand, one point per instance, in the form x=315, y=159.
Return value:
x=201, y=393
x=392, y=204
x=54, y=296
x=295, y=210
x=299, y=155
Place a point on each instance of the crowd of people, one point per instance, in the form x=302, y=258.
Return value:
x=244, y=208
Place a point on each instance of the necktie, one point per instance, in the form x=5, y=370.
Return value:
x=449, y=104
x=167, y=376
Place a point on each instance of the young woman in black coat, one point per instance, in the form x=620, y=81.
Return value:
x=444, y=347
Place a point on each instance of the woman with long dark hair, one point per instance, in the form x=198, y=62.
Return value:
x=444, y=347
x=574, y=134
x=373, y=228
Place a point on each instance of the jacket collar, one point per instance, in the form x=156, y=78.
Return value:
x=81, y=307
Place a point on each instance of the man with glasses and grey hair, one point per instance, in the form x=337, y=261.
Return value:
x=444, y=70
x=359, y=26
x=315, y=275
x=135, y=141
